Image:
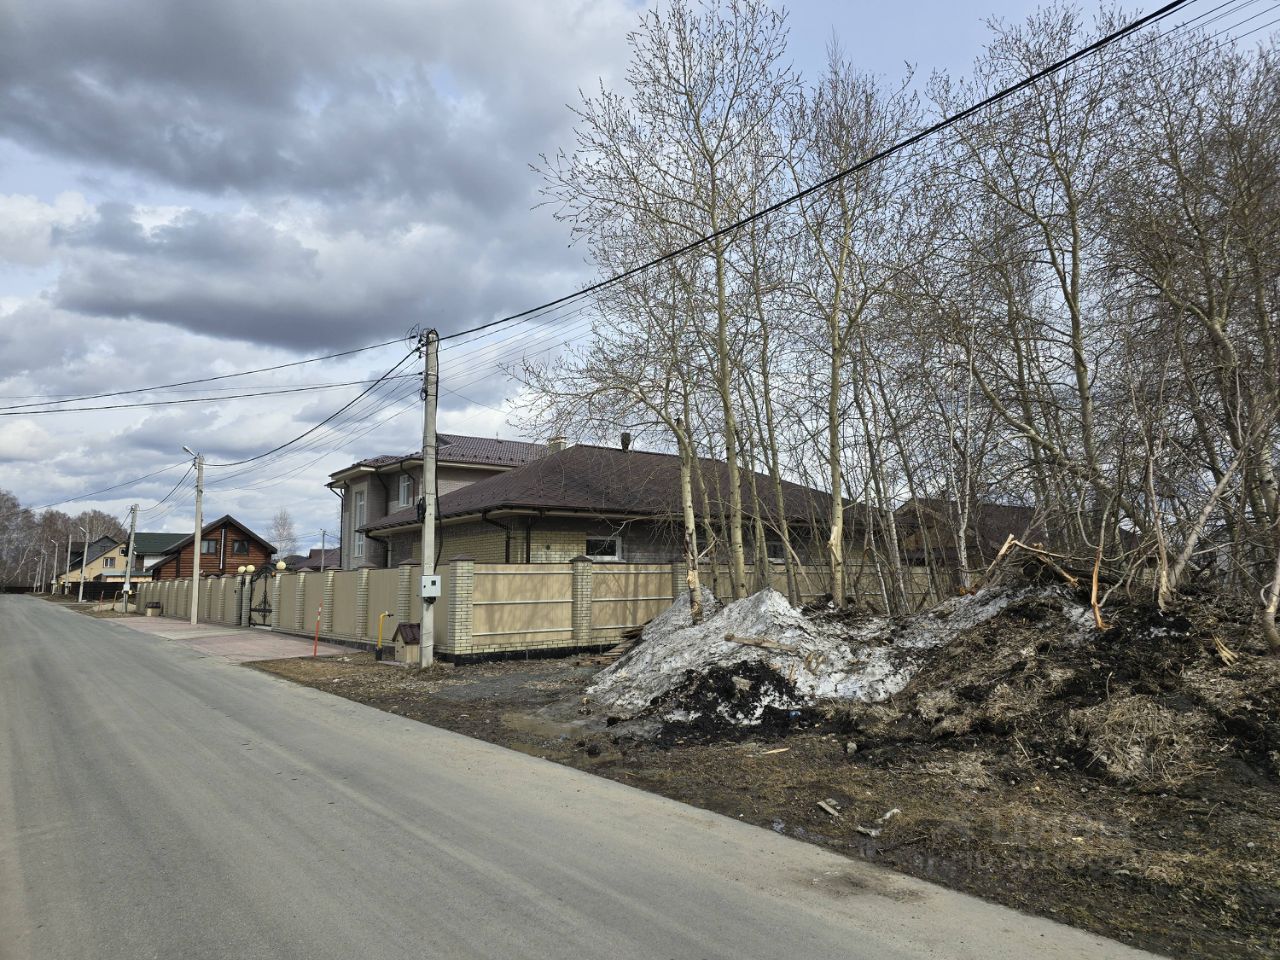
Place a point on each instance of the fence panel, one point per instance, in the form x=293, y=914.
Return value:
x=231, y=601
x=522, y=606
x=627, y=595
x=312, y=598
x=288, y=597
x=384, y=588
x=344, y=603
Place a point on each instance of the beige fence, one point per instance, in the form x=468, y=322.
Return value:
x=488, y=609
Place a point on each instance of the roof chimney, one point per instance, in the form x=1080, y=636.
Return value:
x=626, y=441
x=555, y=444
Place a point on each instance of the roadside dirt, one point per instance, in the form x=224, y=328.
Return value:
x=1187, y=868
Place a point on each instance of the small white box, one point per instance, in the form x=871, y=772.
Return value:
x=431, y=586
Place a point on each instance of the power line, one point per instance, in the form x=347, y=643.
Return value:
x=225, y=376
x=311, y=430
x=117, y=486
x=306, y=388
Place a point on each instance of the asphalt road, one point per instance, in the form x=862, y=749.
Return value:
x=155, y=802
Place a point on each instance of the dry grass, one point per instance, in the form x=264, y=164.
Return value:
x=1140, y=742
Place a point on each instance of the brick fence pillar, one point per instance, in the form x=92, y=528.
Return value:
x=362, y=602
x=461, y=585
x=299, y=605
x=581, y=593
x=242, y=601
x=275, y=601
x=326, y=616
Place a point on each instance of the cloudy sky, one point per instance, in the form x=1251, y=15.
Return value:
x=194, y=189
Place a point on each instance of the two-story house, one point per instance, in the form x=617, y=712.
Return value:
x=226, y=544
x=374, y=489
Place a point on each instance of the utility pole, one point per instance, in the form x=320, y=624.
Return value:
x=322, y=539
x=66, y=568
x=83, y=553
x=197, y=542
x=35, y=586
x=53, y=565
x=430, y=344
x=128, y=563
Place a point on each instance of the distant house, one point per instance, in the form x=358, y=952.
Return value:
x=147, y=549
x=225, y=545
x=315, y=559
x=101, y=556
x=390, y=485
x=928, y=530
x=608, y=503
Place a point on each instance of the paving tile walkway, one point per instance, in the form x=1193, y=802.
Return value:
x=231, y=643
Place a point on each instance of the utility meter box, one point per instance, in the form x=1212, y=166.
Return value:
x=430, y=587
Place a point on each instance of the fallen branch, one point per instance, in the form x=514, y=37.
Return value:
x=1093, y=597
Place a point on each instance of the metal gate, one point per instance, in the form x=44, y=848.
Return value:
x=260, y=598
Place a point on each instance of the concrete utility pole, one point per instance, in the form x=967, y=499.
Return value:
x=322, y=539
x=128, y=562
x=197, y=542
x=66, y=568
x=53, y=565
x=430, y=344
x=35, y=584
x=83, y=553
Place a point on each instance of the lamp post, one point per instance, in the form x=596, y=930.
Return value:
x=83, y=554
x=197, y=543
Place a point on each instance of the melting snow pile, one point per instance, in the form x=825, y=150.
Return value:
x=762, y=634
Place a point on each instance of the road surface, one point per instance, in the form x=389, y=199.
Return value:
x=156, y=801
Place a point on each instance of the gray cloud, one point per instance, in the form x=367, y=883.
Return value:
x=330, y=100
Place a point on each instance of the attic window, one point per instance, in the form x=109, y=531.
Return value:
x=240, y=548
x=604, y=548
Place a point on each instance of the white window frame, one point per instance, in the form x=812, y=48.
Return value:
x=108, y=563
x=406, y=489
x=603, y=558
x=358, y=513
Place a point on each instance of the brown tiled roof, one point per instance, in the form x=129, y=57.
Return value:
x=608, y=480
x=481, y=451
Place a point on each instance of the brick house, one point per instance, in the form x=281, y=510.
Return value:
x=608, y=503
x=373, y=489
x=225, y=545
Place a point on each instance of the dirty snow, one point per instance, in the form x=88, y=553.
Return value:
x=822, y=660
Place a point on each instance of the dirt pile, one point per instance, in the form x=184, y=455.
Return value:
x=1152, y=699
x=792, y=661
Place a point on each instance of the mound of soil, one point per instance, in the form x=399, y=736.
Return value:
x=748, y=699
x=1153, y=699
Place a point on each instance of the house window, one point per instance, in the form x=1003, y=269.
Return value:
x=209, y=546
x=774, y=550
x=406, y=489
x=357, y=521
x=604, y=548
x=240, y=548
x=108, y=563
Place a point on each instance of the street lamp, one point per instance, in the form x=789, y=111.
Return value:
x=83, y=553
